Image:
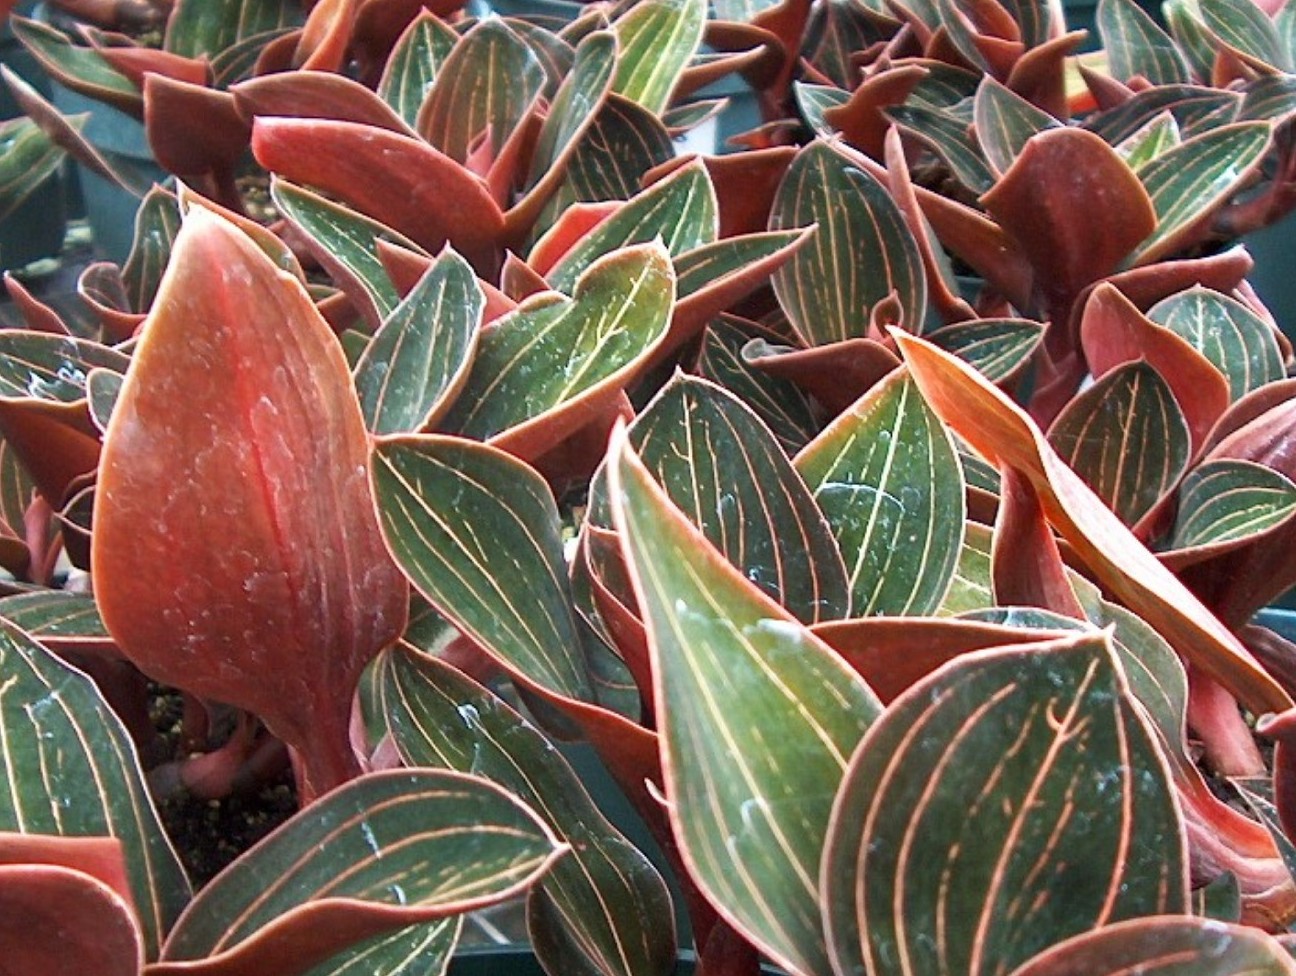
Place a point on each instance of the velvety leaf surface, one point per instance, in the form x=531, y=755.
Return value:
x=723, y=469
x=1126, y=437
x=624, y=142
x=1190, y=180
x=1158, y=136
x=198, y=27
x=1135, y=45
x=1002, y=433
x=607, y=894
x=1165, y=947
x=1221, y=899
x=950, y=137
x=421, y=355
x=344, y=242
x=1240, y=343
x=414, y=64
x=860, y=229
x=885, y=473
x=757, y=718
x=998, y=348
x=1189, y=104
x=477, y=533
x=1246, y=30
x=680, y=209
x=970, y=587
x=1226, y=501
x=554, y=353
x=956, y=838
x=780, y=403
x=657, y=38
x=234, y=532
x=28, y=157
x=486, y=85
x=382, y=852
x=69, y=769
x=45, y=366
x=56, y=617
x=79, y=68
x=1005, y=121
x=157, y=221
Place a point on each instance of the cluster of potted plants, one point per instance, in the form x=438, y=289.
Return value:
x=888, y=498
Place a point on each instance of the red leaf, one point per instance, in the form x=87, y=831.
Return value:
x=236, y=553
x=1025, y=560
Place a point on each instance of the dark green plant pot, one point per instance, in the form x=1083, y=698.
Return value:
x=1280, y=619
x=1274, y=251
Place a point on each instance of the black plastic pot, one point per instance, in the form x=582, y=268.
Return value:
x=520, y=961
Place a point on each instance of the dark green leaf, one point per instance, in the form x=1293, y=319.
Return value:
x=477, y=533
x=977, y=856
x=79, y=68
x=157, y=221
x=1187, y=103
x=1220, y=899
x=950, y=138
x=1136, y=45
x=606, y=892
x=748, y=797
x=69, y=769
x=886, y=475
x=1271, y=97
x=344, y=242
x=46, y=366
x=414, y=64
x=1235, y=339
x=971, y=587
x=1196, y=43
x=814, y=100
x=1227, y=500
x=779, y=403
x=723, y=469
x=657, y=39
x=705, y=266
x=486, y=85
x=28, y=157
x=207, y=27
x=996, y=347
x=377, y=854
x=1126, y=437
x=863, y=251
x=575, y=106
x=553, y=351
x=238, y=61
x=1004, y=121
x=54, y=616
x=1245, y=29
x=1157, y=137
x=421, y=354
x=681, y=209
x=1190, y=181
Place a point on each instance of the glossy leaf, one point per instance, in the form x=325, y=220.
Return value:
x=1240, y=343
x=1126, y=437
x=973, y=857
x=198, y=27
x=1005, y=121
x=998, y=348
x=624, y=142
x=780, y=403
x=477, y=533
x=256, y=409
x=607, y=896
x=56, y=618
x=486, y=86
x=886, y=475
x=420, y=357
x=1003, y=434
x=554, y=353
x=69, y=769
x=1136, y=45
x=1188, y=182
x=751, y=832
x=1189, y=104
x=1166, y=947
x=861, y=229
x=414, y=64
x=345, y=243
x=657, y=39
x=1226, y=501
x=681, y=210
x=721, y=467
x=381, y=853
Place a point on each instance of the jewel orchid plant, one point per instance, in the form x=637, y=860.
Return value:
x=913, y=613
